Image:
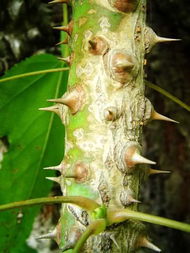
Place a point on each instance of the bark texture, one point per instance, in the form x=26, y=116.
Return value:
x=104, y=111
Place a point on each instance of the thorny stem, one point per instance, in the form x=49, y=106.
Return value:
x=121, y=215
x=168, y=95
x=33, y=74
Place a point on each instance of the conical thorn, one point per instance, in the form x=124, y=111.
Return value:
x=147, y=244
x=66, y=41
x=98, y=45
x=151, y=39
x=154, y=172
x=54, y=179
x=53, y=108
x=59, y=1
x=163, y=39
x=57, y=100
x=66, y=60
x=132, y=200
x=74, y=99
x=58, y=168
x=50, y=235
x=138, y=159
x=112, y=237
x=157, y=116
x=68, y=29
x=132, y=157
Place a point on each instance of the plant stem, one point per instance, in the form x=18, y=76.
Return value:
x=85, y=203
x=125, y=214
x=168, y=95
x=95, y=227
x=33, y=74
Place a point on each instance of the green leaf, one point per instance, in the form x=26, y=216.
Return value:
x=35, y=141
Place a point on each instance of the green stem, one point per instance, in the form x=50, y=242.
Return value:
x=168, y=95
x=32, y=74
x=85, y=203
x=121, y=215
x=95, y=227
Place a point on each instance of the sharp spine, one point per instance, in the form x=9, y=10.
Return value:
x=66, y=41
x=53, y=108
x=138, y=159
x=112, y=237
x=62, y=28
x=54, y=179
x=68, y=29
x=50, y=235
x=58, y=168
x=65, y=59
x=132, y=200
x=74, y=99
x=163, y=39
x=132, y=157
x=59, y=1
x=153, y=172
x=157, y=116
x=147, y=244
x=151, y=39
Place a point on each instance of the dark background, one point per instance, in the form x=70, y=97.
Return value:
x=25, y=29
x=167, y=143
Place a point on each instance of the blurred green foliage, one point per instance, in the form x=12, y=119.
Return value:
x=34, y=139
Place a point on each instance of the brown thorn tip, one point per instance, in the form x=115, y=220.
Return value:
x=65, y=59
x=62, y=28
x=158, y=116
x=68, y=29
x=62, y=42
x=59, y=1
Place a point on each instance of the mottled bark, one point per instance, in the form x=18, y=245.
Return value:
x=104, y=115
